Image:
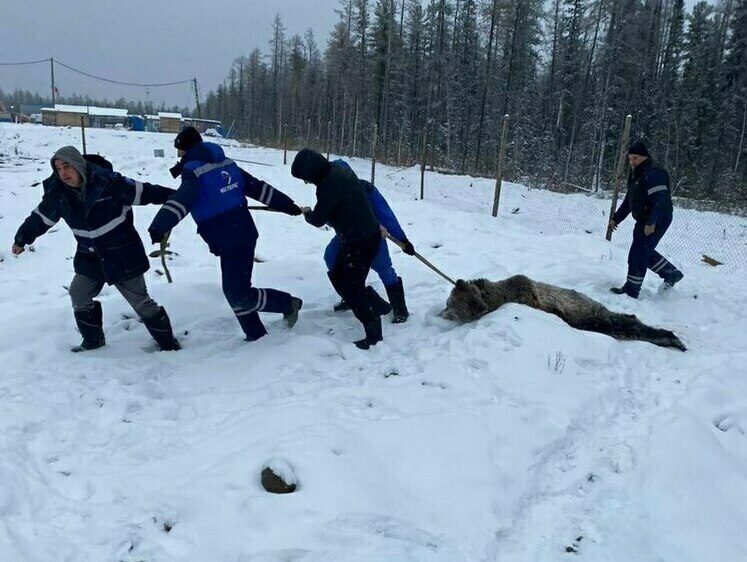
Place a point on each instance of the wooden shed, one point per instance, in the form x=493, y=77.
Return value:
x=170, y=122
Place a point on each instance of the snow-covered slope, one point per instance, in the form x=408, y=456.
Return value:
x=515, y=438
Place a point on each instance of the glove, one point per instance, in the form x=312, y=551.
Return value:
x=295, y=210
x=409, y=249
x=155, y=237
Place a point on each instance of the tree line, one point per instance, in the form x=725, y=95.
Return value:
x=436, y=77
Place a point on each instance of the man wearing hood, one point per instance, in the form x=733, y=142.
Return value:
x=649, y=200
x=343, y=204
x=214, y=191
x=96, y=203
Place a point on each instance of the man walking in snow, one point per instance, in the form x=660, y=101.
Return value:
x=214, y=191
x=343, y=204
x=650, y=202
x=382, y=263
x=96, y=203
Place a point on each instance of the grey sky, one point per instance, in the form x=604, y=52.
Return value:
x=144, y=41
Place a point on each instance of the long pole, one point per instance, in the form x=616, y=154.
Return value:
x=422, y=162
x=197, y=98
x=83, y=131
x=421, y=258
x=285, y=144
x=499, y=169
x=54, y=89
x=619, y=171
x=373, y=153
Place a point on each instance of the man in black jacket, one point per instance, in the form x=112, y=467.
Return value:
x=649, y=200
x=96, y=203
x=343, y=204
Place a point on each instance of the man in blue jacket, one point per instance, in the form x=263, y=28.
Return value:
x=382, y=263
x=650, y=202
x=214, y=191
x=96, y=203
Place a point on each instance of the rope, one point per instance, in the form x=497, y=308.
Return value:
x=121, y=83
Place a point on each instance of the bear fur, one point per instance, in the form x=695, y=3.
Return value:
x=471, y=300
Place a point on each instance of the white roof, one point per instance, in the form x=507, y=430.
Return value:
x=152, y=117
x=90, y=110
x=107, y=111
x=169, y=115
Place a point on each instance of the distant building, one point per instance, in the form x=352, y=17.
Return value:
x=152, y=123
x=91, y=116
x=5, y=115
x=203, y=125
x=170, y=122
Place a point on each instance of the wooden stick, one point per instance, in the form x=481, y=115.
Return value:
x=262, y=208
x=422, y=259
x=164, y=245
x=83, y=131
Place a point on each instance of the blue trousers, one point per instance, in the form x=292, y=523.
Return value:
x=382, y=263
x=643, y=256
x=247, y=301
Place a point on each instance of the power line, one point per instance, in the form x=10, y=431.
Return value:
x=109, y=80
x=24, y=63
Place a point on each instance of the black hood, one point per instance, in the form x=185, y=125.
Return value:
x=309, y=165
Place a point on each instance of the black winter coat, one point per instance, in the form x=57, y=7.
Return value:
x=100, y=216
x=342, y=201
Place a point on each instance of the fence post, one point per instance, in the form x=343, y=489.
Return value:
x=329, y=137
x=618, y=172
x=308, y=132
x=373, y=153
x=499, y=169
x=83, y=131
x=422, y=162
x=285, y=144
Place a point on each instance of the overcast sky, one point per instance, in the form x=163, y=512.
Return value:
x=144, y=41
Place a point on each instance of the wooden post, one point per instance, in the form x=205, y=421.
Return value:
x=83, y=131
x=308, y=132
x=423, y=158
x=373, y=153
x=499, y=169
x=285, y=144
x=329, y=137
x=54, y=88
x=619, y=171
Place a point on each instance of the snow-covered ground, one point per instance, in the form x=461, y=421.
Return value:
x=512, y=439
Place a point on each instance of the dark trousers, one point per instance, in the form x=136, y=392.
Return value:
x=247, y=301
x=349, y=272
x=643, y=255
x=84, y=289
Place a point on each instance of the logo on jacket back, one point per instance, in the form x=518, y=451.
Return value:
x=227, y=178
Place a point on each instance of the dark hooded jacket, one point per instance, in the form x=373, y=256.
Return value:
x=648, y=198
x=100, y=215
x=342, y=201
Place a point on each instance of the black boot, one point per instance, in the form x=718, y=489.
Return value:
x=626, y=289
x=291, y=315
x=90, y=324
x=341, y=306
x=159, y=327
x=373, y=334
x=396, y=294
x=378, y=305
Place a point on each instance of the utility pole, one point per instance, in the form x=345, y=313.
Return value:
x=197, y=98
x=54, y=98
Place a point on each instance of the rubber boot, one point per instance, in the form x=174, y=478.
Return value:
x=90, y=324
x=378, y=304
x=373, y=334
x=291, y=315
x=396, y=294
x=159, y=327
